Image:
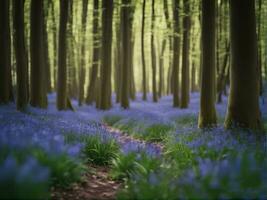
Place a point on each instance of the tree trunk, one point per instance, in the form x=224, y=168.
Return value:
x=19, y=47
x=91, y=93
x=105, y=92
x=143, y=51
x=186, y=54
x=176, y=54
x=207, y=115
x=153, y=55
x=5, y=54
x=38, y=96
x=62, y=48
x=243, y=106
x=82, y=64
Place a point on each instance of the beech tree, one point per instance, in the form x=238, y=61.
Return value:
x=20, y=54
x=62, y=48
x=207, y=115
x=105, y=75
x=176, y=54
x=38, y=96
x=243, y=107
x=153, y=55
x=5, y=54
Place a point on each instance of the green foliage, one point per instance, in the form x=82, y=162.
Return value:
x=111, y=119
x=64, y=169
x=133, y=163
x=128, y=126
x=100, y=152
x=156, y=132
x=187, y=120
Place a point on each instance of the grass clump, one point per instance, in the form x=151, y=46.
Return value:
x=126, y=165
x=156, y=132
x=99, y=152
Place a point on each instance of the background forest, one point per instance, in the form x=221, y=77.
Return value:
x=133, y=99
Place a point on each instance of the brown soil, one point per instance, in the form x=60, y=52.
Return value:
x=95, y=185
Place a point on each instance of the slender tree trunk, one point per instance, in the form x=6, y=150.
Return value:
x=91, y=94
x=161, y=67
x=222, y=74
x=176, y=54
x=259, y=45
x=125, y=20
x=207, y=115
x=143, y=51
x=38, y=96
x=105, y=92
x=243, y=106
x=186, y=54
x=168, y=22
x=54, y=32
x=62, y=65
x=19, y=47
x=5, y=53
x=153, y=55
x=48, y=87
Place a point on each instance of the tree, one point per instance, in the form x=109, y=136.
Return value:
x=186, y=54
x=105, y=76
x=243, y=107
x=20, y=53
x=82, y=64
x=176, y=54
x=91, y=93
x=207, y=115
x=62, y=47
x=153, y=55
x=143, y=51
x=5, y=54
x=38, y=87
x=126, y=40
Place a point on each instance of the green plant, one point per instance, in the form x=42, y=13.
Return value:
x=100, y=152
x=111, y=119
x=64, y=169
x=129, y=164
x=187, y=120
x=156, y=132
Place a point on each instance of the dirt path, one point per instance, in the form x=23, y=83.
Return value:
x=96, y=184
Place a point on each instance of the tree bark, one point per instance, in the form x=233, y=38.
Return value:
x=38, y=96
x=207, y=115
x=243, y=107
x=176, y=54
x=186, y=54
x=105, y=92
x=153, y=55
x=143, y=51
x=21, y=60
x=62, y=49
x=5, y=54
x=91, y=93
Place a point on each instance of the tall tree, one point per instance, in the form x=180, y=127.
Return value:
x=20, y=53
x=125, y=20
x=207, y=115
x=91, y=93
x=143, y=51
x=153, y=55
x=186, y=54
x=176, y=54
x=243, y=107
x=5, y=54
x=105, y=92
x=46, y=57
x=62, y=48
x=82, y=64
x=38, y=96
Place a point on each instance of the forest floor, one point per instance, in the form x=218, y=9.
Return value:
x=163, y=140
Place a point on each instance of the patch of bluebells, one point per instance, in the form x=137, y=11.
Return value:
x=136, y=147
x=243, y=176
x=26, y=180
